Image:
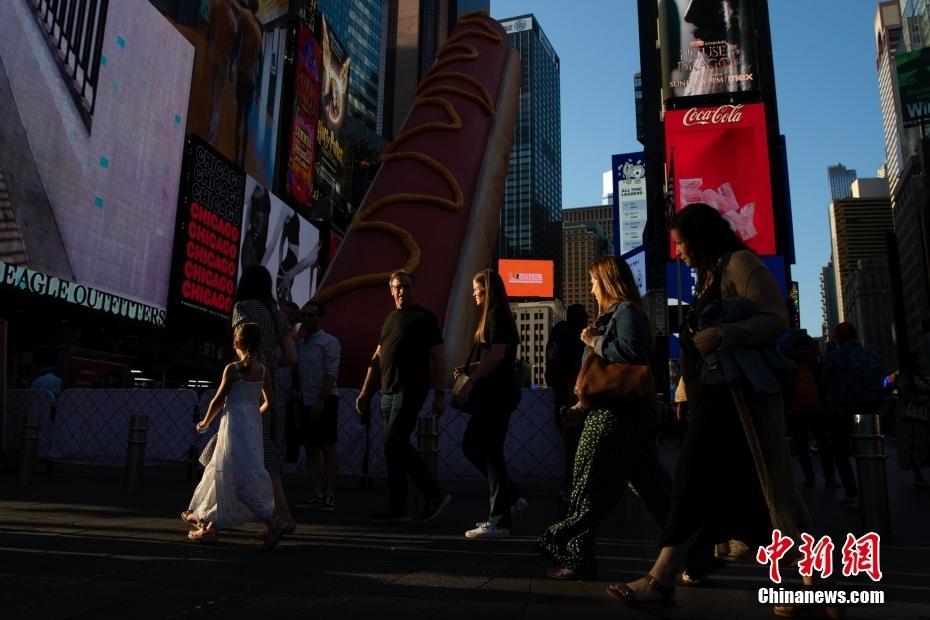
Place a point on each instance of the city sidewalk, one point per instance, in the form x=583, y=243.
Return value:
x=72, y=545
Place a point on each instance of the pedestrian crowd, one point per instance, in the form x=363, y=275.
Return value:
x=744, y=386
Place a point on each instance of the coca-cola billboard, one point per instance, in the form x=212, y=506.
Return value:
x=719, y=156
x=707, y=47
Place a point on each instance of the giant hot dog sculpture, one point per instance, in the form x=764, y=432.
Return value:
x=434, y=206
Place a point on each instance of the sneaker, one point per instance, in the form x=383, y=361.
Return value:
x=519, y=506
x=487, y=531
x=433, y=507
x=329, y=504
x=832, y=484
x=849, y=502
x=310, y=502
x=389, y=516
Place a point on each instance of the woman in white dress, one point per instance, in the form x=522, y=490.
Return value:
x=236, y=487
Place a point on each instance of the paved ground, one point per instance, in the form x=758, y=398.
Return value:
x=73, y=545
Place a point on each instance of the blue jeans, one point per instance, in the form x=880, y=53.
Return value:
x=399, y=413
x=483, y=445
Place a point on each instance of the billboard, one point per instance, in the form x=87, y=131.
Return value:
x=719, y=156
x=235, y=90
x=275, y=236
x=629, y=191
x=305, y=112
x=707, y=47
x=207, y=234
x=913, y=70
x=527, y=278
x=89, y=170
x=329, y=197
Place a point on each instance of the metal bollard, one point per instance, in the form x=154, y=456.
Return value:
x=428, y=447
x=869, y=451
x=27, y=448
x=135, y=453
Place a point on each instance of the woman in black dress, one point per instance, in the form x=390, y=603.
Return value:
x=497, y=339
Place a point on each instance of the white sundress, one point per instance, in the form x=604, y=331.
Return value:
x=236, y=487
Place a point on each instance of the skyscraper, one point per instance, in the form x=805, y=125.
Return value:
x=902, y=26
x=858, y=228
x=841, y=178
x=414, y=30
x=531, y=218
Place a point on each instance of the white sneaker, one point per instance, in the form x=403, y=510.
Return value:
x=487, y=530
x=519, y=506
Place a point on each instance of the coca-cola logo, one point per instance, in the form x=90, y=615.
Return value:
x=711, y=116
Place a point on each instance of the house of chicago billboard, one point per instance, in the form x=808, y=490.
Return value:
x=707, y=47
x=719, y=156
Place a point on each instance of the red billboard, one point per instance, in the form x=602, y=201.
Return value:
x=719, y=156
x=206, y=256
x=304, y=124
x=527, y=278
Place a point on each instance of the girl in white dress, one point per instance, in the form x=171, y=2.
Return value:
x=235, y=487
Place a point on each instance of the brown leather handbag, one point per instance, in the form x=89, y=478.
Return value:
x=614, y=385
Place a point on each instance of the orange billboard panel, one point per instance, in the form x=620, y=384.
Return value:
x=527, y=278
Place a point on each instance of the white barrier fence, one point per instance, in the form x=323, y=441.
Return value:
x=92, y=427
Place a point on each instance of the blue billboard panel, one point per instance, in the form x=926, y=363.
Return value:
x=629, y=190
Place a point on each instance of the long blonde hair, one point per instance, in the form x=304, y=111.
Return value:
x=616, y=282
x=247, y=337
x=495, y=294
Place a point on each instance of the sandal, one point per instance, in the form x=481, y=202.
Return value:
x=623, y=593
x=565, y=574
x=701, y=574
x=188, y=516
x=205, y=534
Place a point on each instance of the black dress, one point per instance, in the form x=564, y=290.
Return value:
x=716, y=487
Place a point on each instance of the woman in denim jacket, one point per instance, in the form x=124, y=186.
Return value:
x=617, y=447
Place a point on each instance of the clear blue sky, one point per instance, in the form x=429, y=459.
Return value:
x=828, y=104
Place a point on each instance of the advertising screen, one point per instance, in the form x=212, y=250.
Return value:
x=914, y=85
x=629, y=191
x=527, y=278
x=707, y=47
x=306, y=106
x=235, y=91
x=275, y=236
x=208, y=232
x=719, y=156
x=89, y=169
x=329, y=198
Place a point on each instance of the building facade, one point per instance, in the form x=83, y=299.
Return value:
x=867, y=307
x=414, y=30
x=840, y=178
x=899, y=27
x=535, y=320
x=531, y=217
x=859, y=226
x=831, y=315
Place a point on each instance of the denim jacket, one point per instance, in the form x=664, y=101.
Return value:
x=623, y=335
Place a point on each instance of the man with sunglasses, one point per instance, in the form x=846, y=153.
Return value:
x=407, y=361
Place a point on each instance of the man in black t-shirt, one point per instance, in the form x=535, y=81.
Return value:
x=408, y=360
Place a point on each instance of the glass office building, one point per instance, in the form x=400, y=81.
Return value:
x=531, y=218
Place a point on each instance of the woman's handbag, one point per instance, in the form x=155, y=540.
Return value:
x=613, y=385
x=473, y=404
